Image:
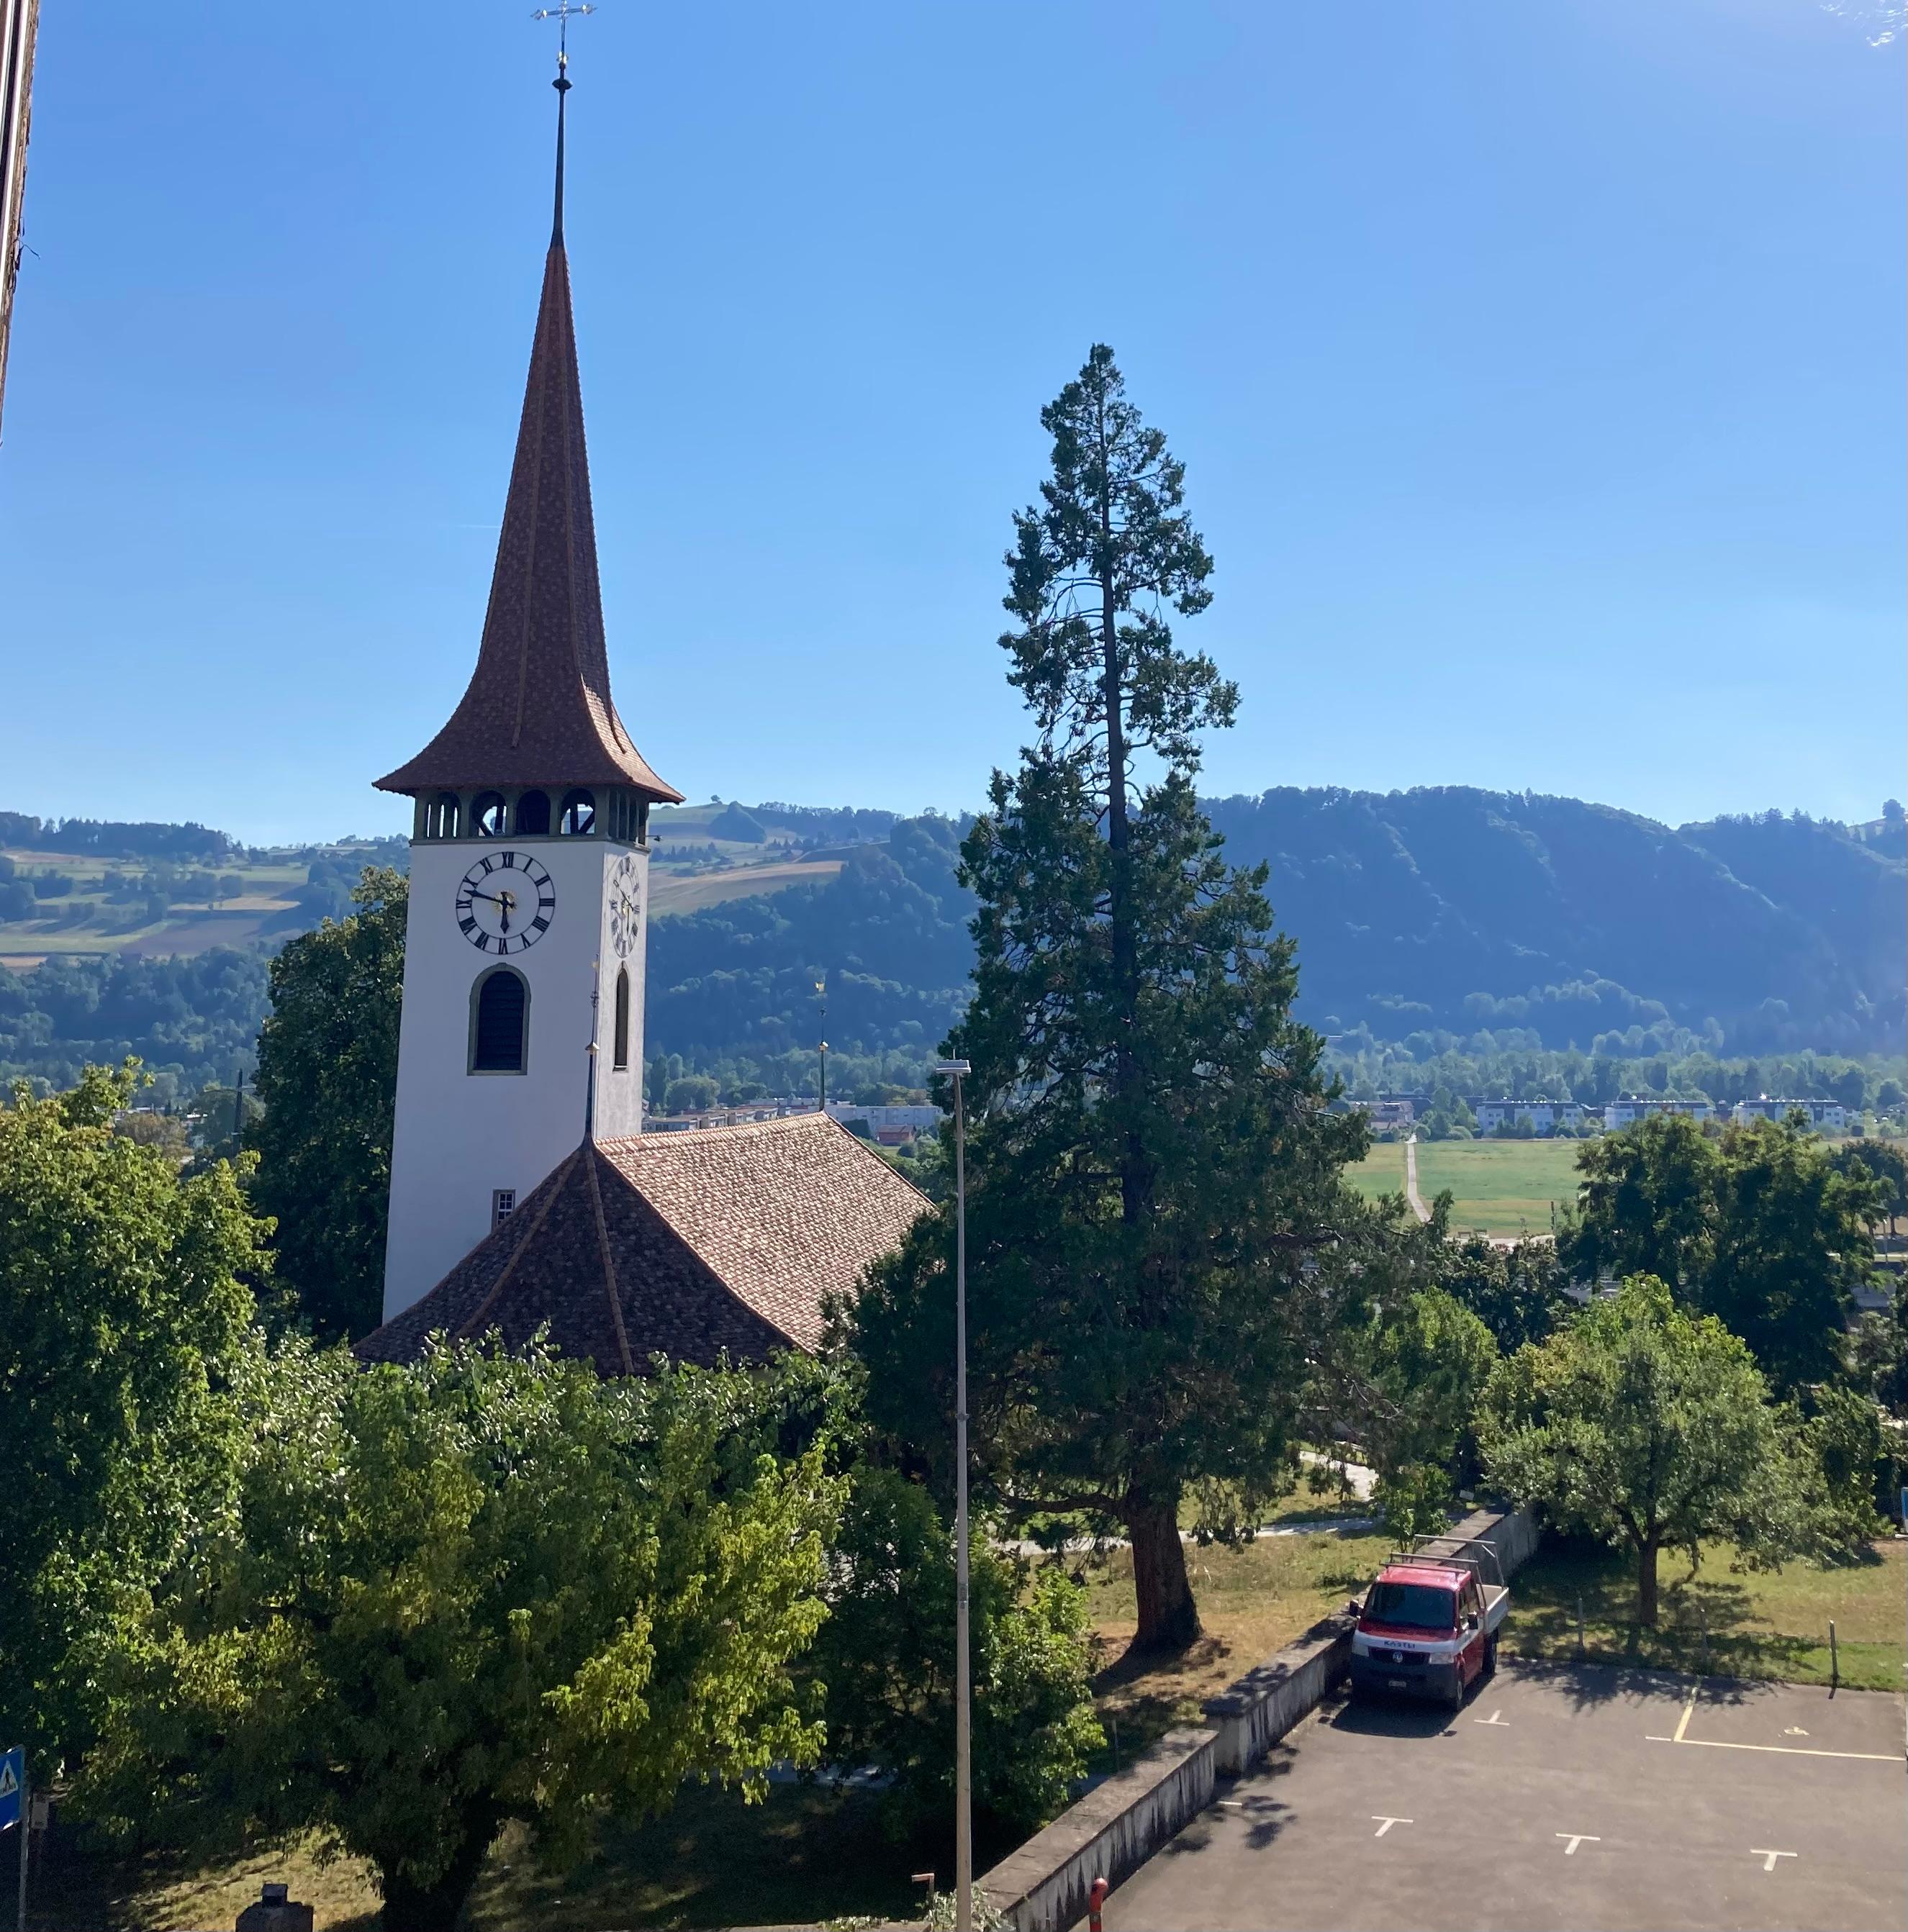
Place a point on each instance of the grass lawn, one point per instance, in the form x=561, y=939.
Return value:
x=1774, y=1625
x=1503, y=1187
x=1382, y=1172
x=1252, y=1602
x=803, y=1854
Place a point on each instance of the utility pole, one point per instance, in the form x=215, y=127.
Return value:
x=955, y=1070
x=239, y=1104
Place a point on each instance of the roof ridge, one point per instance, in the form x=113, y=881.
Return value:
x=609, y=1261
x=558, y=1177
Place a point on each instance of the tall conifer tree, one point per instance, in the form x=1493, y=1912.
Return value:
x=1152, y=1159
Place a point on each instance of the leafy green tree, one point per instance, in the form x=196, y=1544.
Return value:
x=1652, y=1428
x=1516, y=1292
x=691, y=1094
x=328, y=1076
x=886, y=1655
x=1792, y=1244
x=483, y=1588
x=1429, y=1364
x=1152, y=1157
x=1758, y=1226
x=125, y=1345
x=1882, y=1161
x=1646, y=1203
x=1878, y=1353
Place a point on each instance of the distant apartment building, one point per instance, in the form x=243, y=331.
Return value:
x=1545, y=1117
x=1632, y=1108
x=891, y=1126
x=1387, y=1116
x=724, y=1117
x=1824, y=1113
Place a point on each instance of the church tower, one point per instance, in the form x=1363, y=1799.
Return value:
x=523, y=999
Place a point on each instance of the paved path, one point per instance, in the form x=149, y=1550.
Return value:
x=1584, y=1798
x=1411, y=1193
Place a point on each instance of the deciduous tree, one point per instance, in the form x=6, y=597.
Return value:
x=328, y=1074
x=1758, y=1225
x=886, y=1653
x=1653, y=1428
x=125, y=1341
x=483, y=1588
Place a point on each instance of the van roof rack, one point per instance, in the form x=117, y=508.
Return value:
x=1477, y=1554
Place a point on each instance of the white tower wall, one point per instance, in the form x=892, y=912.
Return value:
x=460, y=1136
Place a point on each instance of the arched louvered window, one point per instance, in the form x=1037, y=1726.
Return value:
x=579, y=814
x=533, y=815
x=499, y=1022
x=621, y=1060
x=441, y=816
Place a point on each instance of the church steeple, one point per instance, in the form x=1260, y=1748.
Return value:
x=538, y=710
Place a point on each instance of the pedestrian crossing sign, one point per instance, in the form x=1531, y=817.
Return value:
x=13, y=1780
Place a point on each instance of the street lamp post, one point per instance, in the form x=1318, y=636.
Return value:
x=954, y=1070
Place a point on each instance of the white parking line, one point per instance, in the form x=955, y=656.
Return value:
x=1385, y=1824
x=1768, y=1859
x=1495, y=1718
x=1577, y=1838
x=1781, y=1751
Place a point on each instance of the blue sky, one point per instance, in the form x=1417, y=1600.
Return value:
x=1536, y=367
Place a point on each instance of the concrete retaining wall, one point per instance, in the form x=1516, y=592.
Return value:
x=1118, y=1825
x=1110, y=1834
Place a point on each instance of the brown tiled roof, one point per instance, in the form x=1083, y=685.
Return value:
x=538, y=710
x=686, y=1245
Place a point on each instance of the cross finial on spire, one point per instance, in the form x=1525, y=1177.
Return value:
x=563, y=13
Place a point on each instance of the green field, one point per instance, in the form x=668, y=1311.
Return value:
x=1499, y=1187
x=1718, y=1620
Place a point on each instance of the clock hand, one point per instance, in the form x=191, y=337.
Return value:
x=491, y=896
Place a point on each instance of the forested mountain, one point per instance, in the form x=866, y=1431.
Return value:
x=1441, y=918
x=1461, y=910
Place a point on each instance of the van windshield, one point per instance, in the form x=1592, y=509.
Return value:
x=1410, y=1606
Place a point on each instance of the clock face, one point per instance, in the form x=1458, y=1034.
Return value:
x=625, y=905
x=505, y=903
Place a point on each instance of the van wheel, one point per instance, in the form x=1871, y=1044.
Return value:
x=1491, y=1658
x=1456, y=1696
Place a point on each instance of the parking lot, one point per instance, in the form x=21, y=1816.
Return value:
x=1581, y=1798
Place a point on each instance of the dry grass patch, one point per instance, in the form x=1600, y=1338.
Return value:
x=1252, y=1602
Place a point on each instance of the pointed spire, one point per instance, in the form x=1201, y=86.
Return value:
x=538, y=709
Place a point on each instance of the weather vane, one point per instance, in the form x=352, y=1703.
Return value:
x=563, y=13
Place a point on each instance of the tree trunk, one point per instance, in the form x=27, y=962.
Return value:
x=1169, y=1619
x=1133, y=1180
x=1646, y=1556
x=409, y=1907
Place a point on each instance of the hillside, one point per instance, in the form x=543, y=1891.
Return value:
x=1436, y=917
x=1455, y=909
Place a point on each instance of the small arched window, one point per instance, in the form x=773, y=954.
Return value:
x=534, y=814
x=499, y=1022
x=490, y=817
x=579, y=814
x=441, y=816
x=622, y=1058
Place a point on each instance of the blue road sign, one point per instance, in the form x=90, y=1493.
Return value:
x=13, y=1786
